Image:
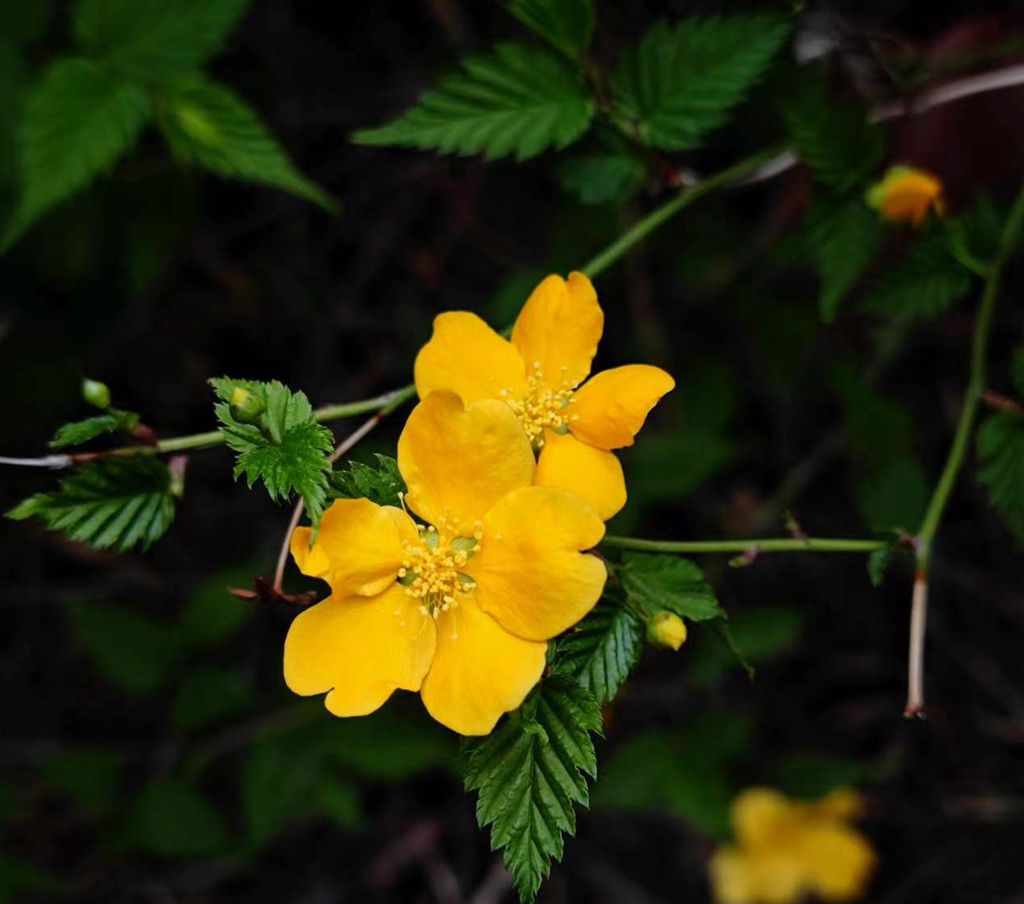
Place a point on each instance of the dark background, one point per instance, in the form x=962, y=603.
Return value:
x=160, y=277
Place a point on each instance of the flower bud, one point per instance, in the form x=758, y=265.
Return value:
x=246, y=407
x=666, y=630
x=96, y=393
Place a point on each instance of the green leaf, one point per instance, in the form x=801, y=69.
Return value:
x=601, y=651
x=809, y=774
x=208, y=124
x=25, y=23
x=17, y=876
x=654, y=583
x=679, y=772
x=530, y=773
x=13, y=82
x=118, y=503
x=154, y=41
x=207, y=696
x=842, y=149
x=381, y=484
x=278, y=781
x=515, y=100
x=390, y=747
x=89, y=777
x=878, y=427
x=170, y=819
x=926, y=281
x=339, y=801
x=600, y=178
x=212, y=615
x=288, y=449
x=682, y=79
x=894, y=496
x=1017, y=372
x=78, y=121
x=879, y=563
x=567, y=25
x=845, y=237
x=131, y=650
x=78, y=432
x=1001, y=457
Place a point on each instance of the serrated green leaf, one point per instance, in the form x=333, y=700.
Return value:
x=600, y=178
x=170, y=819
x=567, y=25
x=152, y=40
x=681, y=80
x=111, y=503
x=131, y=650
x=530, y=773
x=1001, y=457
x=926, y=281
x=654, y=583
x=601, y=651
x=208, y=124
x=78, y=120
x=78, y=432
x=516, y=100
x=381, y=484
x=834, y=139
x=287, y=451
x=845, y=237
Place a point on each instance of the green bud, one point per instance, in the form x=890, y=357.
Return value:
x=666, y=630
x=96, y=393
x=246, y=407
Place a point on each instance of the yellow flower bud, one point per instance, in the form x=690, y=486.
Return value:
x=96, y=393
x=906, y=195
x=245, y=406
x=666, y=630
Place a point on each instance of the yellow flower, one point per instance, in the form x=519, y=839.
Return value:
x=461, y=608
x=906, y=195
x=538, y=374
x=786, y=850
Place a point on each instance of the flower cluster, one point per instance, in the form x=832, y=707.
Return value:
x=787, y=850
x=510, y=474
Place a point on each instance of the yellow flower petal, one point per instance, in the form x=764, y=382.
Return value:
x=480, y=671
x=359, y=546
x=530, y=574
x=731, y=877
x=759, y=815
x=465, y=356
x=610, y=408
x=906, y=194
x=837, y=861
x=458, y=461
x=593, y=473
x=559, y=328
x=359, y=649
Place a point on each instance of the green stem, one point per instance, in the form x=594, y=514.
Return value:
x=669, y=209
x=785, y=544
x=976, y=382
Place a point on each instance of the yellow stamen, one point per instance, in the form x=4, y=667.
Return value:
x=543, y=406
x=431, y=570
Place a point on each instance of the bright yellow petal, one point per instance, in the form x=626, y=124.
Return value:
x=731, y=877
x=480, y=671
x=843, y=803
x=530, y=574
x=359, y=650
x=610, y=408
x=358, y=548
x=594, y=474
x=465, y=356
x=760, y=815
x=458, y=461
x=559, y=328
x=837, y=861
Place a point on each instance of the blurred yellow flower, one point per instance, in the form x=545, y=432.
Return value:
x=906, y=195
x=461, y=608
x=788, y=850
x=538, y=374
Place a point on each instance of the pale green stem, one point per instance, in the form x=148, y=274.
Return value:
x=784, y=544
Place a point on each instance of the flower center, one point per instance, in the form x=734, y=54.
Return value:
x=430, y=571
x=542, y=407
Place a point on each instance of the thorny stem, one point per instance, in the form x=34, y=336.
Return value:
x=957, y=454
x=785, y=544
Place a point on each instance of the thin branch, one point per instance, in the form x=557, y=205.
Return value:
x=787, y=544
x=915, y=659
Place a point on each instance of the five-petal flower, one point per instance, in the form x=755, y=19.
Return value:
x=538, y=375
x=459, y=608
